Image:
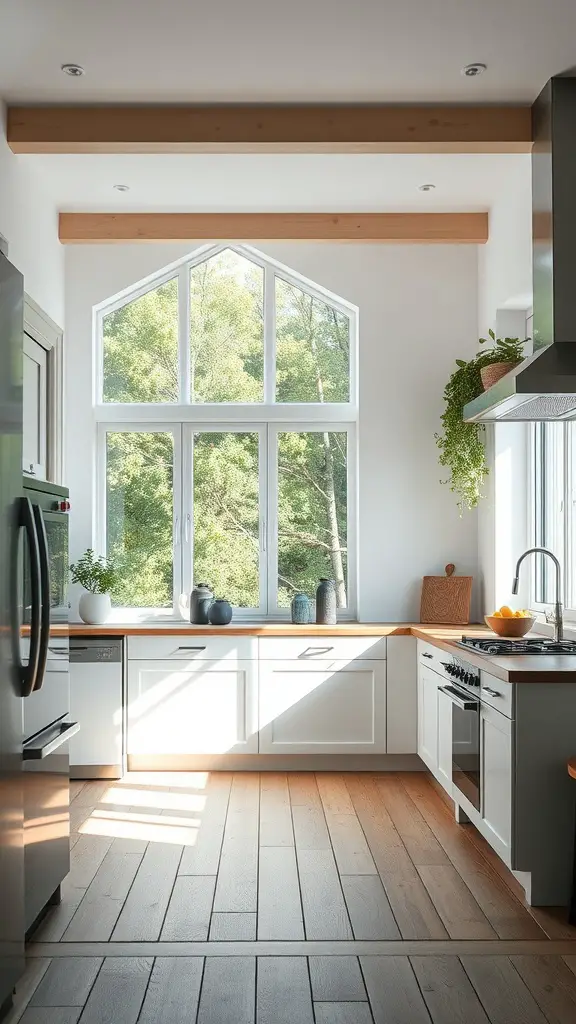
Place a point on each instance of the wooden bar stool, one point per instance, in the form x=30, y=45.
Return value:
x=572, y=911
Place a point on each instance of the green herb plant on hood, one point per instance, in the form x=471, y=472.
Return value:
x=461, y=444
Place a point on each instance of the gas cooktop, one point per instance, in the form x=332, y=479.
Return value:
x=501, y=645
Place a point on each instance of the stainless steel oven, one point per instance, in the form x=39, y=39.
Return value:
x=463, y=689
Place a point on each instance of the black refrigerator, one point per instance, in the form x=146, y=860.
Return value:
x=12, y=676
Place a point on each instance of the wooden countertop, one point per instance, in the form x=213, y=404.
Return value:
x=521, y=669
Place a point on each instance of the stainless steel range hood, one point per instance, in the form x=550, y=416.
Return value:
x=543, y=387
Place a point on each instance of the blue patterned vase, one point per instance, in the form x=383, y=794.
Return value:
x=300, y=609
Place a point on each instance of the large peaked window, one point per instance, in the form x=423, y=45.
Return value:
x=226, y=415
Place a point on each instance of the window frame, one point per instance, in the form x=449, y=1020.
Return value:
x=554, y=464
x=268, y=418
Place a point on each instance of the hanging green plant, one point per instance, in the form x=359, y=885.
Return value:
x=462, y=444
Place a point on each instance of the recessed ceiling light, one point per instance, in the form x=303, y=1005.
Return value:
x=121, y=188
x=426, y=188
x=473, y=70
x=74, y=70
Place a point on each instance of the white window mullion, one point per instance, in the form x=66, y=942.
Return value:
x=272, y=520
x=184, y=333
x=269, y=336
x=177, y=532
x=263, y=468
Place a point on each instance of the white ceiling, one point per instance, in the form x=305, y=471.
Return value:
x=304, y=50
x=268, y=182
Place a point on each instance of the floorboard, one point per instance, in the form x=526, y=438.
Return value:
x=189, y=910
x=501, y=990
x=237, y=884
x=118, y=991
x=100, y=908
x=370, y=913
x=310, y=829
x=279, y=903
x=342, y=1013
x=325, y=914
x=551, y=983
x=415, y=913
x=447, y=990
x=203, y=858
x=283, y=991
x=143, y=912
x=228, y=991
x=393, y=991
x=455, y=904
x=51, y=1015
x=275, y=812
x=232, y=927
x=67, y=982
x=336, y=979
x=173, y=991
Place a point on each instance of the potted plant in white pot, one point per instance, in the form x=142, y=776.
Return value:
x=98, y=577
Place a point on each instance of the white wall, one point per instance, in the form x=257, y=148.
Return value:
x=418, y=312
x=504, y=295
x=29, y=222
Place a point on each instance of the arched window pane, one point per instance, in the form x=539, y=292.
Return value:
x=141, y=348
x=227, y=330
x=312, y=348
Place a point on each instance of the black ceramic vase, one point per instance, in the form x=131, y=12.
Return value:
x=326, y=603
x=220, y=612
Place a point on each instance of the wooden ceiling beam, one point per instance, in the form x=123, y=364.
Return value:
x=415, y=228
x=270, y=128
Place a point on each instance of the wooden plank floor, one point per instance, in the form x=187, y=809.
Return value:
x=332, y=898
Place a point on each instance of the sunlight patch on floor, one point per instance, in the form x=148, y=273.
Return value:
x=149, y=827
x=150, y=798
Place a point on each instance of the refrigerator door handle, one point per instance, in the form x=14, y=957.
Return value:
x=44, y=596
x=55, y=738
x=28, y=673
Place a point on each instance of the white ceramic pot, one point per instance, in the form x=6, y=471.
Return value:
x=94, y=608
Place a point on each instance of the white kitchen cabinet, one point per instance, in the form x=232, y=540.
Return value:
x=322, y=707
x=428, y=682
x=193, y=707
x=445, y=741
x=496, y=768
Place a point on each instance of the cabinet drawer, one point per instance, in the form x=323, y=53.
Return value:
x=192, y=647
x=498, y=694
x=310, y=648
x=431, y=656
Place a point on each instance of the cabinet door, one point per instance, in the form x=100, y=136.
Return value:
x=100, y=738
x=194, y=708
x=330, y=707
x=445, y=741
x=496, y=756
x=35, y=408
x=428, y=683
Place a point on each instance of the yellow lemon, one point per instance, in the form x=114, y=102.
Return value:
x=496, y=615
x=506, y=612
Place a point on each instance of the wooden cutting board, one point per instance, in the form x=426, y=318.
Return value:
x=446, y=599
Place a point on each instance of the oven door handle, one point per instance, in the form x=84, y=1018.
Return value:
x=55, y=738
x=459, y=699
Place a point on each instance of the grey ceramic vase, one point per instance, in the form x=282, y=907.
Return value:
x=200, y=600
x=300, y=609
x=220, y=612
x=326, y=602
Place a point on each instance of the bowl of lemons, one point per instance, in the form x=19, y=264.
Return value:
x=506, y=622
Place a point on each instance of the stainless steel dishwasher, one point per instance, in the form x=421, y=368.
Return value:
x=96, y=703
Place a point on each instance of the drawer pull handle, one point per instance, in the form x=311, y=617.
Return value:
x=192, y=648
x=425, y=655
x=492, y=693
x=312, y=652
